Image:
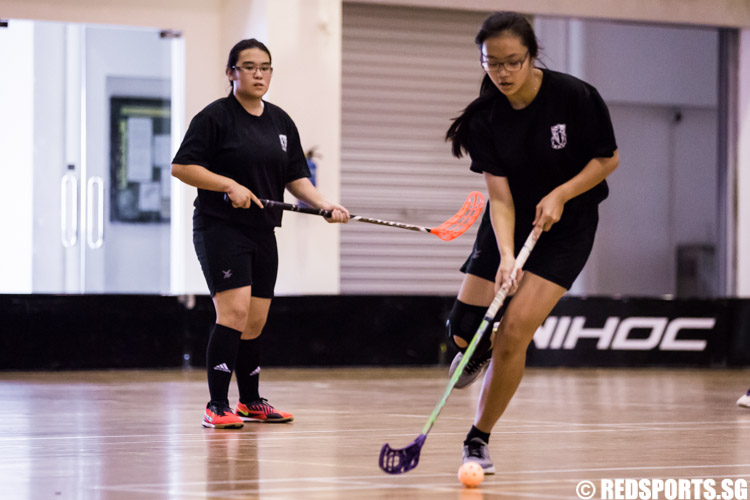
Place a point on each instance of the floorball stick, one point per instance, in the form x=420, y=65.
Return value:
x=447, y=231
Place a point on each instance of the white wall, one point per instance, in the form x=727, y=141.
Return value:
x=49, y=165
x=648, y=64
x=305, y=39
x=16, y=159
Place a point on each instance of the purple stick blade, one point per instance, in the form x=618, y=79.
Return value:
x=402, y=460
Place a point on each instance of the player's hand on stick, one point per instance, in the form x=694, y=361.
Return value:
x=505, y=275
x=339, y=213
x=241, y=197
x=549, y=210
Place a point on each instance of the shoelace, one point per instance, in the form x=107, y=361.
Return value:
x=476, y=450
x=259, y=402
x=222, y=410
x=262, y=405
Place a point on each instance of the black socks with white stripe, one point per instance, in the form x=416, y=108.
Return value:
x=247, y=370
x=221, y=354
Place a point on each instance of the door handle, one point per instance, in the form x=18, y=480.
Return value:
x=68, y=198
x=98, y=241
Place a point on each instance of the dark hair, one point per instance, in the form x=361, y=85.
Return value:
x=250, y=43
x=496, y=24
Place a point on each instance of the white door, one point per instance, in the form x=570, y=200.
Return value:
x=89, y=154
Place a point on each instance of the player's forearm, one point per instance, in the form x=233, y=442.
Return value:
x=201, y=177
x=303, y=190
x=592, y=174
x=502, y=212
x=503, y=218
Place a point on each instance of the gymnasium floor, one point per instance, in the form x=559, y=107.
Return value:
x=137, y=434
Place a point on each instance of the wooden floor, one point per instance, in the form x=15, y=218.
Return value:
x=137, y=434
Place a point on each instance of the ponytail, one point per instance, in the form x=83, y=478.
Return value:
x=458, y=132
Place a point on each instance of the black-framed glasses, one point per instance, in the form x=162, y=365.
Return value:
x=495, y=66
x=265, y=69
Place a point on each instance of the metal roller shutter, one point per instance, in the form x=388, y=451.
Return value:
x=406, y=73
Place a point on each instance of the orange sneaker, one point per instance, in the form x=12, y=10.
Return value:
x=261, y=411
x=220, y=416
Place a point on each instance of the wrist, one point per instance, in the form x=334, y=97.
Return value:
x=229, y=186
x=564, y=193
x=320, y=203
x=506, y=253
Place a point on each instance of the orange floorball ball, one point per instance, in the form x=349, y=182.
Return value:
x=470, y=474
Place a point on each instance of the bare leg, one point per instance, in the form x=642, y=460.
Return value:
x=237, y=309
x=532, y=303
x=256, y=318
x=476, y=291
x=233, y=307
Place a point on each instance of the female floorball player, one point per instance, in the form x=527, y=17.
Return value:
x=239, y=149
x=544, y=142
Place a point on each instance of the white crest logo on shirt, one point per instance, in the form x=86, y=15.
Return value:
x=559, y=137
x=282, y=138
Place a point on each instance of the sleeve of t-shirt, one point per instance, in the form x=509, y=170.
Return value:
x=599, y=133
x=481, y=146
x=198, y=144
x=297, y=166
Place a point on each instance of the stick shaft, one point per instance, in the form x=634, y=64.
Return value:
x=487, y=320
x=401, y=225
x=295, y=208
x=327, y=213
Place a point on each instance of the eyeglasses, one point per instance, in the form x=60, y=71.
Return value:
x=497, y=66
x=265, y=69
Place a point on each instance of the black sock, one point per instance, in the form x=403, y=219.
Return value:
x=474, y=433
x=220, y=359
x=247, y=370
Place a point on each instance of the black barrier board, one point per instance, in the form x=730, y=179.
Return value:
x=635, y=332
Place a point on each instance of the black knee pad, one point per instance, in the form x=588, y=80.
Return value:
x=464, y=320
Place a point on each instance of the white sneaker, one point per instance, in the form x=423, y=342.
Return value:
x=744, y=401
x=475, y=367
x=478, y=451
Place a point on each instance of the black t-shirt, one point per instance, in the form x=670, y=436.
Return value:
x=263, y=153
x=545, y=144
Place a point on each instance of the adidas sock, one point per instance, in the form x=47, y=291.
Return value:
x=247, y=370
x=474, y=432
x=220, y=356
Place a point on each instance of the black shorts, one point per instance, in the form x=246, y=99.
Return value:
x=236, y=255
x=559, y=255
